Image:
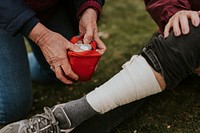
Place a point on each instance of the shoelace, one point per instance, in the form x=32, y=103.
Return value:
x=43, y=123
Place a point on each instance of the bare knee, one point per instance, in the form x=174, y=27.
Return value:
x=160, y=79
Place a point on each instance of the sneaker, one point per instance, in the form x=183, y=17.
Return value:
x=41, y=123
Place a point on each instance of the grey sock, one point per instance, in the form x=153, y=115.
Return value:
x=78, y=111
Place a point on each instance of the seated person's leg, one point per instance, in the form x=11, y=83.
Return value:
x=135, y=81
x=15, y=81
x=178, y=56
x=108, y=122
x=125, y=87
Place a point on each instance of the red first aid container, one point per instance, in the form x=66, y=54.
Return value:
x=84, y=63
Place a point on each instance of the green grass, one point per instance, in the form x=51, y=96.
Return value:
x=129, y=28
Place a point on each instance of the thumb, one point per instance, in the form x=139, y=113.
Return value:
x=73, y=48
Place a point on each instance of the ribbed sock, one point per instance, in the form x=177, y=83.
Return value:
x=78, y=111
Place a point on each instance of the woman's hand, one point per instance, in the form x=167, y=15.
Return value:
x=54, y=48
x=180, y=22
x=88, y=26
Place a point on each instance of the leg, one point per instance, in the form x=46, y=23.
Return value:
x=185, y=48
x=62, y=22
x=175, y=57
x=15, y=82
x=107, y=122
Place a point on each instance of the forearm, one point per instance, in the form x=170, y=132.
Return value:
x=162, y=10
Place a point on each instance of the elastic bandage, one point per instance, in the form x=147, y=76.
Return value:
x=135, y=81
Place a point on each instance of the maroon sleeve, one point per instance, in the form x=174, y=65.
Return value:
x=162, y=10
x=84, y=4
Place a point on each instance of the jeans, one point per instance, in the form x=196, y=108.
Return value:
x=15, y=71
x=15, y=81
x=174, y=57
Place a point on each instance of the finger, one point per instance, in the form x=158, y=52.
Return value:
x=184, y=24
x=167, y=29
x=88, y=36
x=176, y=26
x=195, y=19
x=66, y=67
x=60, y=75
x=72, y=47
x=101, y=46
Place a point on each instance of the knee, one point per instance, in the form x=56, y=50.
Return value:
x=14, y=108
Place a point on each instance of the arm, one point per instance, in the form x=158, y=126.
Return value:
x=162, y=10
x=22, y=19
x=89, y=13
x=56, y=54
x=16, y=16
x=172, y=15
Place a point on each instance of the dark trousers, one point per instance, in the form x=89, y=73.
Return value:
x=174, y=57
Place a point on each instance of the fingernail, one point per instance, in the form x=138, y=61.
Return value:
x=176, y=33
x=185, y=31
x=195, y=23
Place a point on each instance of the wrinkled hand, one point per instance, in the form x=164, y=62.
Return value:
x=88, y=26
x=180, y=24
x=54, y=48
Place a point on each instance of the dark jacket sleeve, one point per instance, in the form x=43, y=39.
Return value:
x=16, y=16
x=162, y=10
x=82, y=5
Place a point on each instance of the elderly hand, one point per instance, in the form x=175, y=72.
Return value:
x=54, y=47
x=179, y=22
x=88, y=26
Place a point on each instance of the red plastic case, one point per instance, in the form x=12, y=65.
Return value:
x=84, y=63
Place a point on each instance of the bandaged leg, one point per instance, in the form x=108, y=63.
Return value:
x=135, y=81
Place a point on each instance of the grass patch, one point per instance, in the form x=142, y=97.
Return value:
x=129, y=27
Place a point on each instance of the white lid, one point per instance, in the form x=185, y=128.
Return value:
x=84, y=46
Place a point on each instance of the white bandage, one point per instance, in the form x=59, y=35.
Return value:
x=135, y=81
